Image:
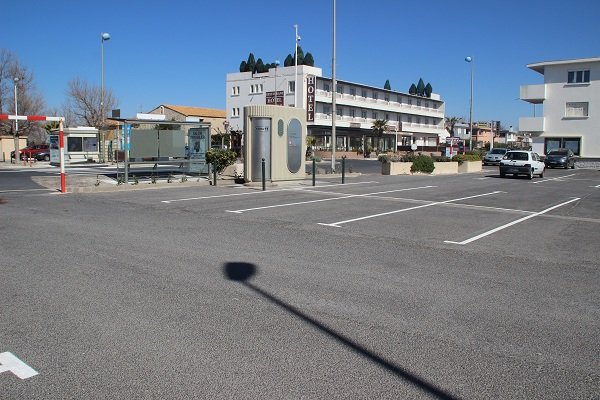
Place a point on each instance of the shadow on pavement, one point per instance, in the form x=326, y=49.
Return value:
x=241, y=272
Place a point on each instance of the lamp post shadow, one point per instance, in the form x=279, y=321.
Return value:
x=241, y=272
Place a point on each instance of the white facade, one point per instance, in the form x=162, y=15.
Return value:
x=570, y=96
x=411, y=118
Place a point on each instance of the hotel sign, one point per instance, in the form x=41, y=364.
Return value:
x=274, y=98
x=311, y=86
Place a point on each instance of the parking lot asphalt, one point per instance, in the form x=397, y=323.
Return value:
x=460, y=286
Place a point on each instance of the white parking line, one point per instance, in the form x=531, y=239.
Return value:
x=260, y=192
x=27, y=190
x=9, y=362
x=321, y=200
x=337, y=224
x=474, y=238
x=554, y=179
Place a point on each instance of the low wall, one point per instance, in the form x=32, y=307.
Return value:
x=396, y=168
x=470, y=166
x=445, y=168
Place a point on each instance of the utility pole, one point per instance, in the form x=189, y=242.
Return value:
x=333, y=97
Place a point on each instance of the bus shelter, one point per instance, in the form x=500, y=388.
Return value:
x=150, y=141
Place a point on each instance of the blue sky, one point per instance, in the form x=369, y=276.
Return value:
x=179, y=52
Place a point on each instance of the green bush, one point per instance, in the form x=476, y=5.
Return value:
x=442, y=159
x=469, y=156
x=220, y=158
x=422, y=163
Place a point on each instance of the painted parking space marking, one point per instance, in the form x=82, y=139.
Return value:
x=10, y=362
x=435, y=203
x=258, y=192
x=322, y=200
x=26, y=190
x=492, y=231
x=558, y=178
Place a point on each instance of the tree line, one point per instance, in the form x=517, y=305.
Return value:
x=82, y=106
x=258, y=66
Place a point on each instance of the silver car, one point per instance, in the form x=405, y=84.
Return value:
x=494, y=156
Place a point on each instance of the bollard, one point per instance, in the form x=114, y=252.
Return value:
x=214, y=176
x=314, y=172
x=343, y=169
x=263, y=175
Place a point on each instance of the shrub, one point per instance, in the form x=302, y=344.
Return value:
x=422, y=164
x=220, y=158
x=387, y=158
x=442, y=159
x=466, y=157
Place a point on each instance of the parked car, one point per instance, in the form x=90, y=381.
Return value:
x=494, y=156
x=38, y=151
x=521, y=162
x=560, y=158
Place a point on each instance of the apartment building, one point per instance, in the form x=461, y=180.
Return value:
x=410, y=118
x=570, y=107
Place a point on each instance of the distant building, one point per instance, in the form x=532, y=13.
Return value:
x=410, y=118
x=216, y=118
x=570, y=96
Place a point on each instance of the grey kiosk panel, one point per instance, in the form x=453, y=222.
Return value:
x=294, y=146
x=261, y=148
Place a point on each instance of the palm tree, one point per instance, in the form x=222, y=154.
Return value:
x=379, y=127
x=449, y=124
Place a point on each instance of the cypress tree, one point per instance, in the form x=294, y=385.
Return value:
x=289, y=61
x=387, y=85
x=413, y=89
x=421, y=87
x=308, y=60
x=260, y=66
x=428, y=90
x=243, y=66
x=250, y=64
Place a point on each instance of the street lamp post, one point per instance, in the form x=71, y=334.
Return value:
x=334, y=95
x=276, y=66
x=296, y=70
x=471, y=61
x=103, y=37
x=16, y=136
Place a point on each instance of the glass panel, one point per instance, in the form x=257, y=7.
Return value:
x=579, y=76
x=90, y=144
x=74, y=144
x=295, y=147
x=144, y=143
x=171, y=143
x=572, y=144
x=586, y=75
x=551, y=144
x=571, y=78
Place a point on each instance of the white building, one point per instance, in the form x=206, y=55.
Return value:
x=411, y=118
x=570, y=96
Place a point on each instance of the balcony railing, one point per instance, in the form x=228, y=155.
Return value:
x=531, y=124
x=349, y=99
x=535, y=94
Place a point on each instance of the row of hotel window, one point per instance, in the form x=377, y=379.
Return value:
x=235, y=112
x=375, y=95
x=257, y=88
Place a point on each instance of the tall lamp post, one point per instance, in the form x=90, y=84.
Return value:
x=276, y=66
x=103, y=37
x=334, y=96
x=471, y=61
x=296, y=70
x=16, y=136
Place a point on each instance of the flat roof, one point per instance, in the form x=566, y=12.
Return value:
x=539, y=67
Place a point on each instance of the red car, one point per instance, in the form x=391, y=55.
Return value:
x=38, y=151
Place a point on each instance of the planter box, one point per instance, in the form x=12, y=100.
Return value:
x=445, y=168
x=470, y=166
x=396, y=168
